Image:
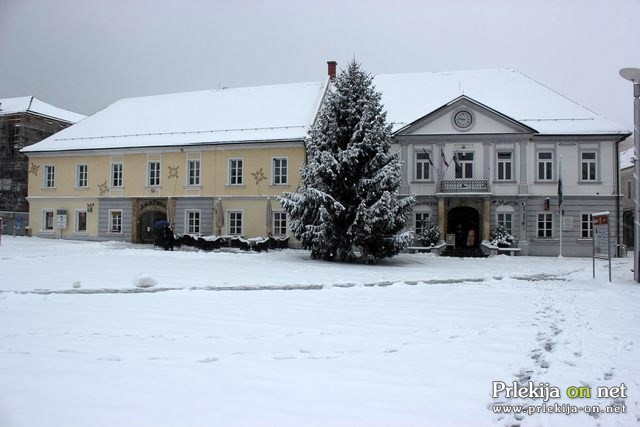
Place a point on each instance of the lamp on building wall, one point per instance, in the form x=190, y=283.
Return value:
x=633, y=75
x=90, y=207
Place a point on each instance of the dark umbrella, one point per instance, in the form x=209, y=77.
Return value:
x=159, y=225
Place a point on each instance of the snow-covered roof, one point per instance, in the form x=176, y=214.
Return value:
x=408, y=97
x=285, y=112
x=32, y=104
x=251, y=114
x=626, y=158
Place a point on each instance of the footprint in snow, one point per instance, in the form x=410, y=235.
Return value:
x=549, y=345
x=208, y=360
x=110, y=359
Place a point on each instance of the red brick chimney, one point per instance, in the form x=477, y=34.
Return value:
x=331, y=69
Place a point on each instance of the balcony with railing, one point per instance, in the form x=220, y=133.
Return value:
x=464, y=186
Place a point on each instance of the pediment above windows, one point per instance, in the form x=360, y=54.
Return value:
x=464, y=115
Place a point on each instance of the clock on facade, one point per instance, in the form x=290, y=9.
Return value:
x=463, y=119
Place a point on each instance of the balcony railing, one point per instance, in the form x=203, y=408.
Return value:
x=464, y=186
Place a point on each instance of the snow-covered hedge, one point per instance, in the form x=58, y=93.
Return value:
x=502, y=238
x=430, y=234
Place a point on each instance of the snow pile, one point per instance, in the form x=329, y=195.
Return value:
x=142, y=281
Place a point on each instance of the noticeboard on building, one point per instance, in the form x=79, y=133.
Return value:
x=601, y=239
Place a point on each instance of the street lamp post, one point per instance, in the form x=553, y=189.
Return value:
x=633, y=75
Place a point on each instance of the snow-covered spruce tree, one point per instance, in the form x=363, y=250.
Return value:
x=347, y=207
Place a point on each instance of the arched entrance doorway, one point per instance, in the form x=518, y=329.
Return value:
x=147, y=219
x=464, y=222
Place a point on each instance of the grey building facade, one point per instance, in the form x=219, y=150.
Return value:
x=473, y=168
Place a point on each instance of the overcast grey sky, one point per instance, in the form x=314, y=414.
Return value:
x=83, y=55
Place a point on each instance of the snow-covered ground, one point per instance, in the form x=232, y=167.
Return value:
x=113, y=334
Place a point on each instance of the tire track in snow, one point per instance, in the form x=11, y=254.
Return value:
x=102, y=291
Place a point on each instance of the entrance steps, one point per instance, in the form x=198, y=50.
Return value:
x=464, y=252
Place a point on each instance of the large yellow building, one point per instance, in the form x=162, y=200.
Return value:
x=476, y=156
x=209, y=162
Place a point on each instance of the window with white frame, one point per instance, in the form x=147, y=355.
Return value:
x=505, y=166
x=280, y=171
x=505, y=219
x=192, y=219
x=193, y=172
x=81, y=221
x=47, y=220
x=154, y=174
x=586, y=225
x=588, y=166
x=421, y=220
x=235, y=222
x=82, y=176
x=423, y=160
x=115, y=221
x=235, y=171
x=117, y=169
x=545, y=166
x=464, y=164
x=545, y=225
x=279, y=223
x=49, y=176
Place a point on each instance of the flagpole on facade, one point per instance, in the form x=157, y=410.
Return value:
x=560, y=200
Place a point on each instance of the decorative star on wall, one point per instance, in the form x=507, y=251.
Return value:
x=259, y=176
x=103, y=189
x=34, y=169
x=173, y=172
